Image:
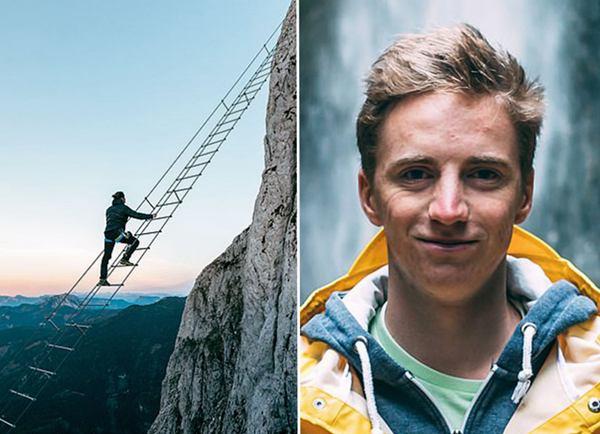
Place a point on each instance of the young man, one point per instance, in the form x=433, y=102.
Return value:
x=452, y=320
x=116, y=218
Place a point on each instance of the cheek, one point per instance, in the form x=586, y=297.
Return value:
x=400, y=210
x=500, y=218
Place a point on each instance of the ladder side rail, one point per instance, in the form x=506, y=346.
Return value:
x=59, y=305
x=265, y=64
x=35, y=334
x=32, y=382
x=256, y=82
x=247, y=104
x=207, y=142
x=188, y=168
x=42, y=383
x=256, y=56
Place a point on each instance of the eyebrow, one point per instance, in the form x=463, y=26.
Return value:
x=420, y=159
x=488, y=161
x=417, y=159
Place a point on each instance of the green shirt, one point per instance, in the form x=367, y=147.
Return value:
x=452, y=395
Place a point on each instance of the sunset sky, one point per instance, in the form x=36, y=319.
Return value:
x=97, y=97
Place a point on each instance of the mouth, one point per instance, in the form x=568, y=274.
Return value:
x=447, y=244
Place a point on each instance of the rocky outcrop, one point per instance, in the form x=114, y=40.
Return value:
x=233, y=369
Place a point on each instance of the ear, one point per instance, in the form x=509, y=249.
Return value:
x=526, y=204
x=367, y=199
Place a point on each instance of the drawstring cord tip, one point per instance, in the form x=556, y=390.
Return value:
x=529, y=331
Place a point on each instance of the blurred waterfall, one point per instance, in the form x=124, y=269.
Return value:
x=339, y=39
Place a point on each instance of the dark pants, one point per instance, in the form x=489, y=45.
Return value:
x=111, y=238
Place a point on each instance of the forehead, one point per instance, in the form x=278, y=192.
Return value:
x=448, y=125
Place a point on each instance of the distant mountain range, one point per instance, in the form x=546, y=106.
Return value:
x=121, y=300
x=110, y=383
x=32, y=315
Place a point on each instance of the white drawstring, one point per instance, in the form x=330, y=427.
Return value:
x=529, y=330
x=360, y=345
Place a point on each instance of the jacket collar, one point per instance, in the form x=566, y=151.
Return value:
x=552, y=308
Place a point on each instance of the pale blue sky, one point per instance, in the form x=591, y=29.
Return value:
x=101, y=96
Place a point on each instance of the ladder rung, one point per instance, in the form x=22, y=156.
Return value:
x=113, y=284
x=210, y=143
x=53, y=323
x=157, y=218
x=258, y=80
x=214, y=151
x=221, y=132
x=178, y=190
x=238, y=111
x=258, y=77
x=239, y=102
x=259, y=83
x=7, y=423
x=80, y=327
x=177, y=201
x=43, y=371
x=185, y=177
x=256, y=86
x=204, y=163
x=60, y=347
x=266, y=66
x=119, y=265
x=232, y=120
x=151, y=232
x=22, y=395
x=250, y=94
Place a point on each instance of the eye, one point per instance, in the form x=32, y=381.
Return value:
x=415, y=175
x=489, y=175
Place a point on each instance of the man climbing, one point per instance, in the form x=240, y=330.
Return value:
x=116, y=218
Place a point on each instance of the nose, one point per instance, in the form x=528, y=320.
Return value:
x=448, y=205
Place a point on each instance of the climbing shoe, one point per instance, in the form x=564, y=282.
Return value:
x=103, y=282
x=126, y=263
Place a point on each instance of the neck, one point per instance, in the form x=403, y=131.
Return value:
x=462, y=338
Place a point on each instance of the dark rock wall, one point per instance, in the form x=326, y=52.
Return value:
x=233, y=369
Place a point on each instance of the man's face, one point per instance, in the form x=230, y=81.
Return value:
x=447, y=189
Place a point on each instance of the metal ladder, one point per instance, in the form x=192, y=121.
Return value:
x=66, y=335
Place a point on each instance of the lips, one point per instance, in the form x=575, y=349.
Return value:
x=448, y=244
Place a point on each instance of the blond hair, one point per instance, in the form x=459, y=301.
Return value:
x=457, y=59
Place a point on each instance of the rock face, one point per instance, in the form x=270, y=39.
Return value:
x=233, y=369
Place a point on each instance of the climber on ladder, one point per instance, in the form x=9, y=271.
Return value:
x=116, y=218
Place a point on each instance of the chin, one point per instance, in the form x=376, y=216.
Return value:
x=448, y=284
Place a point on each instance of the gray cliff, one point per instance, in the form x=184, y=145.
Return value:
x=233, y=369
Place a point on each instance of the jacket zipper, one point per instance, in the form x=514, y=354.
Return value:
x=476, y=397
x=473, y=401
x=432, y=399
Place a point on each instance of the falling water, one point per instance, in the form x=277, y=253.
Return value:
x=554, y=40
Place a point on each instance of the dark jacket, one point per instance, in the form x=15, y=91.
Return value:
x=117, y=215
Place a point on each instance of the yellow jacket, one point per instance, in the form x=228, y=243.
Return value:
x=562, y=399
